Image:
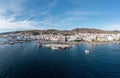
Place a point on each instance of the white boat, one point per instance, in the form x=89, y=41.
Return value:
x=87, y=51
x=11, y=43
x=54, y=48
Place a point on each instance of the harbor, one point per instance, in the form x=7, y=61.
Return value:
x=22, y=58
x=57, y=46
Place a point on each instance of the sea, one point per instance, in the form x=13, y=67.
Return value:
x=27, y=60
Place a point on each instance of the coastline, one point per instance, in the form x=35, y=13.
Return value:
x=67, y=43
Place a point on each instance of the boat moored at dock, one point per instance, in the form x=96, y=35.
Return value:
x=57, y=46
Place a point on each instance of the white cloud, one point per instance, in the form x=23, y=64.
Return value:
x=10, y=9
x=11, y=5
x=16, y=25
x=52, y=3
x=82, y=13
x=14, y=8
x=2, y=11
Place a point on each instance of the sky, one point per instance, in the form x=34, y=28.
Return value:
x=18, y=15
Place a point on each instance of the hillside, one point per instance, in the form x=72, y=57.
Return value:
x=67, y=32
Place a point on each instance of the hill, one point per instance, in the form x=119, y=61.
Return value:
x=67, y=32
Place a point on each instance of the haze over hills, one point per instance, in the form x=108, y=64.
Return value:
x=69, y=32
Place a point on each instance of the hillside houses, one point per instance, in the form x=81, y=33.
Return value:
x=62, y=38
x=95, y=37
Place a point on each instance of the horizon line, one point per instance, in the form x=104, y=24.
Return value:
x=56, y=29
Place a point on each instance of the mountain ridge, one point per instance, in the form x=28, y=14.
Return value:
x=69, y=32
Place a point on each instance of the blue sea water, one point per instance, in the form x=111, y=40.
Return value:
x=3, y=39
x=27, y=60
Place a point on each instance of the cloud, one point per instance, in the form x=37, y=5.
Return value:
x=82, y=13
x=11, y=5
x=29, y=19
x=22, y=7
x=52, y=4
x=16, y=25
x=17, y=15
x=71, y=18
x=2, y=11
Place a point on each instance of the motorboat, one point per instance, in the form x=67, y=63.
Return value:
x=11, y=43
x=87, y=51
x=54, y=48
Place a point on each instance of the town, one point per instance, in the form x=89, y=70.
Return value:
x=59, y=39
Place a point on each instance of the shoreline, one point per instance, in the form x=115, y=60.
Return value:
x=62, y=46
x=68, y=43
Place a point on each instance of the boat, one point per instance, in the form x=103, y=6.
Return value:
x=54, y=48
x=11, y=43
x=87, y=51
x=62, y=48
x=39, y=45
